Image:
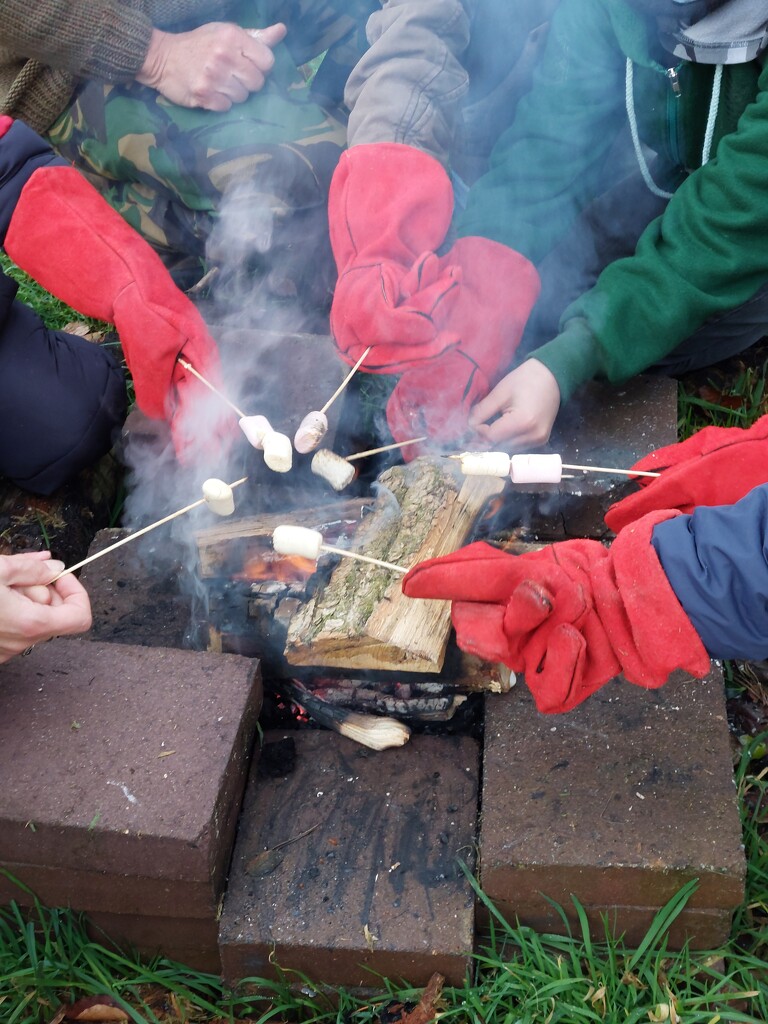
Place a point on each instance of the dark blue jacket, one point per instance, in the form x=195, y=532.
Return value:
x=62, y=398
x=716, y=560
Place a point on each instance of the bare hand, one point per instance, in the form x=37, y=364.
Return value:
x=212, y=66
x=521, y=409
x=32, y=609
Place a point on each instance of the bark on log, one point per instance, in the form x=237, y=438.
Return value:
x=360, y=619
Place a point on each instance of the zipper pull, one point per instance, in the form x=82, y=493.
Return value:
x=674, y=81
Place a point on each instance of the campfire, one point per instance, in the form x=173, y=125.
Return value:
x=335, y=635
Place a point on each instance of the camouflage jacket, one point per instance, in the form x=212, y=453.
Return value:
x=48, y=45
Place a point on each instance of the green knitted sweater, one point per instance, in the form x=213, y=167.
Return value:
x=50, y=45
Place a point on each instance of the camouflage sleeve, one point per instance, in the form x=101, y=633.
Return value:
x=408, y=85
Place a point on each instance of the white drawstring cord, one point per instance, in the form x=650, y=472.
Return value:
x=714, y=103
x=630, y=105
x=709, y=132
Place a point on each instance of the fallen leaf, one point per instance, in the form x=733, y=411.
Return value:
x=424, y=1011
x=370, y=938
x=95, y=1008
x=264, y=863
x=717, y=397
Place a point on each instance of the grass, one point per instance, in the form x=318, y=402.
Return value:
x=519, y=977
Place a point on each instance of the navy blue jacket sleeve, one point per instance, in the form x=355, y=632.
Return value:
x=22, y=151
x=716, y=560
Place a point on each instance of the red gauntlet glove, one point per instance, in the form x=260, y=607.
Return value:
x=717, y=466
x=571, y=616
x=497, y=288
x=389, y=210
x=389, y=207
x=65, y=236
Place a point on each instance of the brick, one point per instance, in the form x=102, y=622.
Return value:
x=619, y=802
x=132, y=602
x=91, y=814
x=392, y=827
x=190, y=941
x=706, y=929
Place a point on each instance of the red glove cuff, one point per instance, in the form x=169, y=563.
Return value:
x=648, y=628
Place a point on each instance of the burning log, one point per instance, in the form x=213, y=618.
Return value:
x=370, y=730
x=360, y=619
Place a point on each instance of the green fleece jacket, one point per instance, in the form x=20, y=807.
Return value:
x=706, y=254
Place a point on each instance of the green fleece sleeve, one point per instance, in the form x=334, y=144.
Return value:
x=704, y=256
x=548, y=165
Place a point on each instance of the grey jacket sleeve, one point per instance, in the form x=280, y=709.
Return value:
x=408, y=85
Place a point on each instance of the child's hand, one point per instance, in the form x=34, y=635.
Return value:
x=521, y=410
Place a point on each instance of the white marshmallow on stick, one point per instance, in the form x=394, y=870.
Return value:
x=535, y=469
x=278, y=454
x=531, y=468
x=484, y=463
x=314, y=426
x=338, y=471
x=218, y=496
x=255, y=429
x=311, y=431
x=140, y=533
x=306, y=543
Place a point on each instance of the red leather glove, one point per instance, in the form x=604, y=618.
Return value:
x=717, y=466
x=389, y=208
x=65, y=236
x=497, y=288
x=570, y=616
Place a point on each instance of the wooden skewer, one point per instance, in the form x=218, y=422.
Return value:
x=611, y=469
x=362, y=558
x=591, y=469
x=346, y=381
x=139, y=533
x=384, y=448
x=215, y=390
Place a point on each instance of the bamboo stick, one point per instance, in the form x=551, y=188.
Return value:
x=346, y=381
x=362, y=558
x=215, y=390
x=139, y=533
x=384, y=448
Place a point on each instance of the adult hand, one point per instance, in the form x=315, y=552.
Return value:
x=521, y=410
x=213, y=66
x=32, y=608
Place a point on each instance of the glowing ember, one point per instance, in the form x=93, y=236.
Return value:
x=267, y=565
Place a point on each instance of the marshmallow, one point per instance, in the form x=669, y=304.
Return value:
x=278, y=453
x=255, y=429
x=485, y=463
x=218, y=497
x=297, y=540
x=536, y=469
x=332, y=467
x=311, y=432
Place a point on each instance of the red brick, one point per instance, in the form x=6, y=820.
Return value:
x=91, y=814
x=392, y=826
x=619, y=802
